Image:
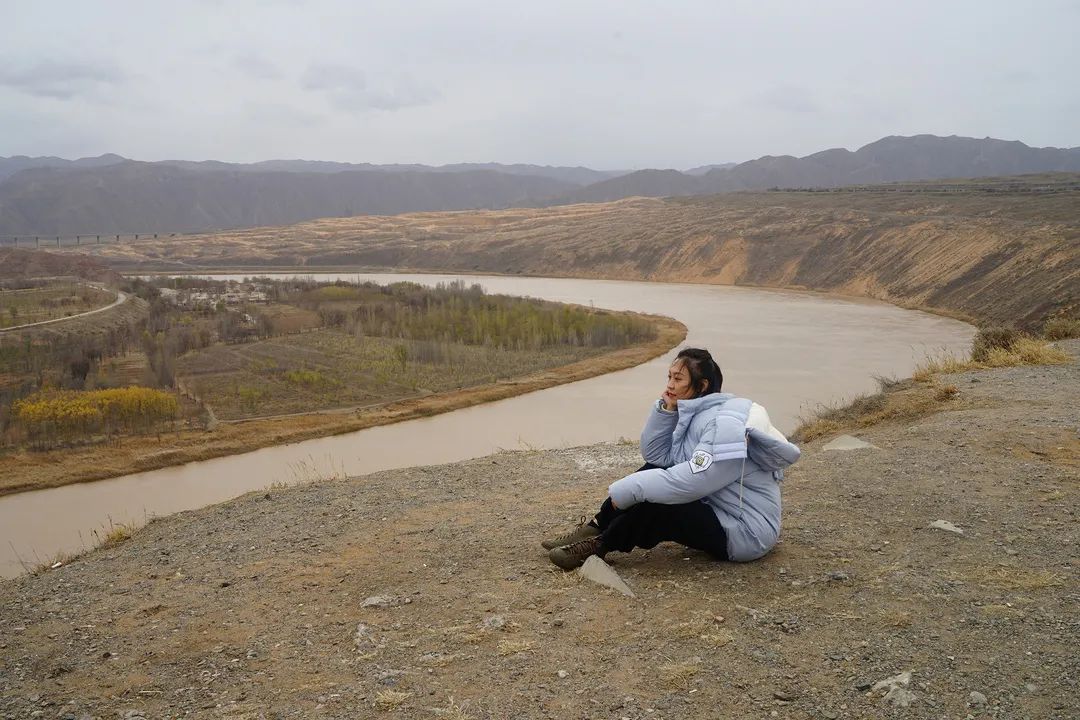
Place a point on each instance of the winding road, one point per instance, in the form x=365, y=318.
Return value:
x=121, y=298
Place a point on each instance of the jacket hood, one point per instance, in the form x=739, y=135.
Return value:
x=769, y=452
x=696, y=405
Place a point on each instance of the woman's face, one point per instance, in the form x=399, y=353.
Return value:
x=678, y=383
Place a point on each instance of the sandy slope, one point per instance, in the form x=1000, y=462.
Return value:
x=260, y=607
x=1000, y=257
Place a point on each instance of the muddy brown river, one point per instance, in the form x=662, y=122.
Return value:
x=788, y=351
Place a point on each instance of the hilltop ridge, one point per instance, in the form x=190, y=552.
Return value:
x=110, y=194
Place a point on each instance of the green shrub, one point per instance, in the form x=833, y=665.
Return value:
x=303, y=376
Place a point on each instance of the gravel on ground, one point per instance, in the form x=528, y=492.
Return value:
x=424, y=593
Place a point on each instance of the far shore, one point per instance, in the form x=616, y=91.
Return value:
x=26, y=470
x=263, y=270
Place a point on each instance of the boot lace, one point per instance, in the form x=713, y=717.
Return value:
x=582, y=549
x=564, y=539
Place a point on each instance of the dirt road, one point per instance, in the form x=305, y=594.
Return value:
x=423, y=593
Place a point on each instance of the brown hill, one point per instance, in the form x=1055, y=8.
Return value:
x=980, y=251
x=22, y=264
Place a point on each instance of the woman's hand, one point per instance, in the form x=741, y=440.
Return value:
x=670, y=401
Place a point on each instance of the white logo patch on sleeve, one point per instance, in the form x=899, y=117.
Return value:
x=700, y=461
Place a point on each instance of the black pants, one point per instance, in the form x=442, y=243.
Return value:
x=646, y=524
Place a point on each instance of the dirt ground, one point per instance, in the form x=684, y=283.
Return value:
x=423, y=593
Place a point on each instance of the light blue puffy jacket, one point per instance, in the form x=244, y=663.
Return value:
x=719, y=450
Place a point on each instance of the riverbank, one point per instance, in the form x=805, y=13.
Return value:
x=26, y=470
x=423, y=592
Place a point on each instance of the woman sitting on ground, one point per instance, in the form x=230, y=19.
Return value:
x=711, y=481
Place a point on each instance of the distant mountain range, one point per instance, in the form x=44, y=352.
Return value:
x=891, y=159
x=572, y=175
x=111, y=194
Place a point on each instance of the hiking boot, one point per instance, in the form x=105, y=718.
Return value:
x=574, y=555
x=583, y=531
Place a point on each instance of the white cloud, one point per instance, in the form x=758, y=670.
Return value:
x=348, y=89
x=58, y=80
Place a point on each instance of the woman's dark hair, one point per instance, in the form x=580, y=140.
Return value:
x=701, y=366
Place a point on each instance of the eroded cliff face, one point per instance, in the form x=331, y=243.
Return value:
x=1005, y=257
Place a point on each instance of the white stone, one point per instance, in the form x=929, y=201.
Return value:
x=493, y=622
x=890, y=683
x=900, y=697
x=378, y=601
x=946, y=526
x=848, y=442
x=600, y=572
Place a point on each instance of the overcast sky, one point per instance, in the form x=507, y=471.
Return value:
x=607, y=84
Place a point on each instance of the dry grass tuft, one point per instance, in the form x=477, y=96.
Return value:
x=1015, y=578
x=944, y=364
x=453, y=711
x=694, y=629
x=945, y=392
x=435, y=659
x=390, y=699
x=512, y=647
x=114, y=534
x=1022, y=350
x=989, y=339
x=1028, y=351
x=1061, y=328
x=870, y=410
x=679, y=675
x=718, y=639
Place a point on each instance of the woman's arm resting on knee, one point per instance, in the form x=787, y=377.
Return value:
x=679, y=484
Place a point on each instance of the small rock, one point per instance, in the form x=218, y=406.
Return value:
x=946, y=526
x=900, y=697
x=563, y=674
x=493, y=622
x=362, y=636
x=848, y=442
x=389, y=677
x=864, y=684
x=976, y=698
x=891, y=683
x=785, y=695
x=379, y=601
x=839, y=576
